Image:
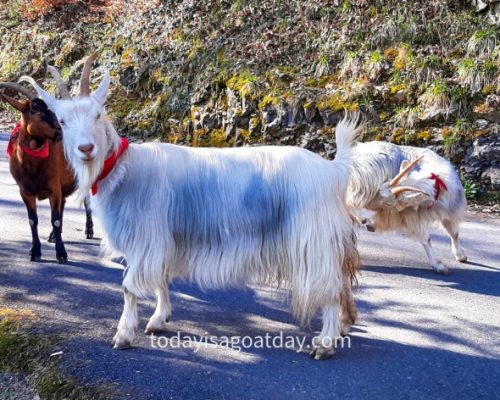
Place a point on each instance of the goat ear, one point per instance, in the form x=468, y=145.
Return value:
x=18, y=105
x=404, y=164
x=38, y=105
x=102, y=91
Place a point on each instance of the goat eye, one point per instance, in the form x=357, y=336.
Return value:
x=61, y=122
x=98, y=117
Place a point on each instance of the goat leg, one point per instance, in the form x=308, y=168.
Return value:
x=89, y=224
x=56, y=205
x=36, y=247
x=436, y=264
x=51, y=236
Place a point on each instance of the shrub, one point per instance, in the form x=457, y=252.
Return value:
x=471, y=189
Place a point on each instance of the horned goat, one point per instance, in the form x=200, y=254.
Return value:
x=407, y=189
x=38, y=165
x=217, y=216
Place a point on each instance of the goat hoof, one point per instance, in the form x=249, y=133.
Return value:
x=169, y=317
x=35, y=254
x=156, y=329
x=322, y=353
x=121, y=344
x=441, y=269
x=51, y=238
x=462, y=259
x=62, y=259
x=346, y=328
x=89, y=234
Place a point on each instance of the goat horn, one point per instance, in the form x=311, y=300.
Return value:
x=19, y=88
x=61, y=85
x=43, y=94
x=404, y=172
x=85, y=80
x=401, y=189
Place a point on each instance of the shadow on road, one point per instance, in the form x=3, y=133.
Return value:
x=470, y=280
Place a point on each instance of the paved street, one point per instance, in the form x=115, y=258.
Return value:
x=420, y=335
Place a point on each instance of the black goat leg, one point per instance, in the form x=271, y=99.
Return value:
x=56, y=205
x=36, y=247
x=89, y=224
x=51, y=236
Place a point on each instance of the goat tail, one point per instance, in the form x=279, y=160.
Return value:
x=346, y=133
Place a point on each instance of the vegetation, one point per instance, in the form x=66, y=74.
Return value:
x=201, y=73
x=22, y=350
x=471, y=190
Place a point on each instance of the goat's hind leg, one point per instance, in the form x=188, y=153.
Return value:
x=349, y=311
x=452, y=229
x=128, y=322
x=324, y=344
x=436, y=264
x=163, y=312
x=36, y=247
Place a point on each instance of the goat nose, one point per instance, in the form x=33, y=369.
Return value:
x=87, y=148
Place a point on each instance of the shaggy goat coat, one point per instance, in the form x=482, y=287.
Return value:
x=217, y=216
x=436, y=194
x=222, y=216
x=378, y=162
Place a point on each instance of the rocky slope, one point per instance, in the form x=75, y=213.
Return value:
x=227, y=73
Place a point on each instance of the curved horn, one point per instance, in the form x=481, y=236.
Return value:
x=44, y=95
x=61, y=85
x=404, y=172
x=85, y=80
x=17, y=87
x=401, y=189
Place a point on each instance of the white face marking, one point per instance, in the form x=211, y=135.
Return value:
x=85, y=131
x=82, y=128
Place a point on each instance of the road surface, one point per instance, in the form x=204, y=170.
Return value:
x=420, y=335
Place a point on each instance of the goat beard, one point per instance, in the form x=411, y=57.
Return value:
x=87, y=174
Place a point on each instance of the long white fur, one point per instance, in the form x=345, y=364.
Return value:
x=376, y=163
x=217, y=216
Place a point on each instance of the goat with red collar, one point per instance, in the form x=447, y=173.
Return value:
x=407, y=189
x=39, y=167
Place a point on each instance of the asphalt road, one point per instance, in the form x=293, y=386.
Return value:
x=420, y=335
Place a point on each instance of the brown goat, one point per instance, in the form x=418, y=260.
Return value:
x=39, y=167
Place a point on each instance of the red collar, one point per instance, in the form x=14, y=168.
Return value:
x=42, y=152
x=110, y=163
x=438, y=184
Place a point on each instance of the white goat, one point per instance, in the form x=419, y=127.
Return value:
x=407, y=197
x=217, y=216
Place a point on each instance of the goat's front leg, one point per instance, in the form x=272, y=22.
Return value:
x=51, y=236
x=162, y=314
x=56, y=205
x=89, y=224
x=436, y=264
x=36, y=247
x=128, y=322
x=324, y=344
